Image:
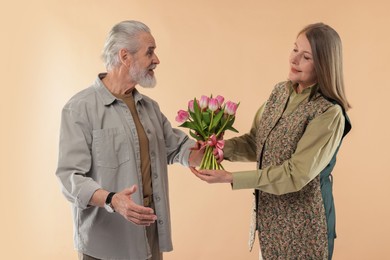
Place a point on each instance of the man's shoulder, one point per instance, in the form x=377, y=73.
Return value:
x=84, y=96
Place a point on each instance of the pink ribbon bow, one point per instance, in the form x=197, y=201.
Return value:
x=218, y=146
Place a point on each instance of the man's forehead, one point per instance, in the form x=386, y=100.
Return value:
x=147, y=40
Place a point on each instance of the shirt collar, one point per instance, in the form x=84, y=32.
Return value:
x=137, y=95
x=306, y=91
x=107, y=96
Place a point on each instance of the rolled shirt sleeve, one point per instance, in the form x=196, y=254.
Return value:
x=314, y=151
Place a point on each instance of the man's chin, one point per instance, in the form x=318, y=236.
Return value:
x=148, y=83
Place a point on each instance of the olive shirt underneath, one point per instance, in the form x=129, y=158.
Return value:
x=143, y=144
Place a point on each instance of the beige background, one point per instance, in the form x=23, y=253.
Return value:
x=50, y=50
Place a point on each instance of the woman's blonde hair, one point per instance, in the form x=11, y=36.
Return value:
x=328, y=62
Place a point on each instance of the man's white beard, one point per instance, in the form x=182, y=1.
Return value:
x=142, y=77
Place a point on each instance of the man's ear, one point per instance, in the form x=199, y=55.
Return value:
x=125, y=57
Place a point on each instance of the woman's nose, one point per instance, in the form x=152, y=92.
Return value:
x=295, y=58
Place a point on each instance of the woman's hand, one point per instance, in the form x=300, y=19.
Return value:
x=213, y=176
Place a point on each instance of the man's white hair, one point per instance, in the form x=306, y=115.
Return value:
x=122, y=36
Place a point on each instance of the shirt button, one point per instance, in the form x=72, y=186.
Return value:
x=160, y=222
x=148, y=131
x=155, y=176
x=152, y=154
x=158, y=198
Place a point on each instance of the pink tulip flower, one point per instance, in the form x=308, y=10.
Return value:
x=220, y=100
x=204, y=102
x=213, y=104
x=191, y=105
x=182, y=116
x=231, y=108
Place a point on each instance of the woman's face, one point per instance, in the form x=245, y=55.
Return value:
x=301, y=63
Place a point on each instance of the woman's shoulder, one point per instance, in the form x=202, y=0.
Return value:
x=283, y=84
x=337, y=112
x=280, y=89
x=335, y=109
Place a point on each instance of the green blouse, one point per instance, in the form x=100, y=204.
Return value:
x=314, y=151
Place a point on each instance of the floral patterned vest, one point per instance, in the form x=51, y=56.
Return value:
x=293, y=225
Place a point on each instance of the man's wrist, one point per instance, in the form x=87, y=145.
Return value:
x=108, y=203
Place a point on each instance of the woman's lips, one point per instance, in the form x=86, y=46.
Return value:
x=295, y=70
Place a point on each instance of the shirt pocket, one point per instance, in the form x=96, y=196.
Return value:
x=111, y=147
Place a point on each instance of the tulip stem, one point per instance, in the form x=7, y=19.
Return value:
x=209, y=161
x=211, y=121
x=223, y=127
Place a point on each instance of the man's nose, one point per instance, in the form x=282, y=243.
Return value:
x=156, y=60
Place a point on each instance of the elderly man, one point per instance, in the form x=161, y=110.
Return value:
x=115, y=145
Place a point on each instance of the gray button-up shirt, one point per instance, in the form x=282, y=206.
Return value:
x=99, y=148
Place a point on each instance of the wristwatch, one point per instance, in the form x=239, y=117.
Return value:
x=107, y=205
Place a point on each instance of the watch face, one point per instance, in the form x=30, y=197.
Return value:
x=108, y=208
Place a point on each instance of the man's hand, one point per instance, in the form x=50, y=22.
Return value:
x=196, y=155
x=124, y=205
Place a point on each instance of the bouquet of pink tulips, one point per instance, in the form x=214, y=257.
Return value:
x=208, y=119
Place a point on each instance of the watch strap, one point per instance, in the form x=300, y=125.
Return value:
x=109, y=198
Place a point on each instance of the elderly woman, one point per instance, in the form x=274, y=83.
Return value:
x=294, y=138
